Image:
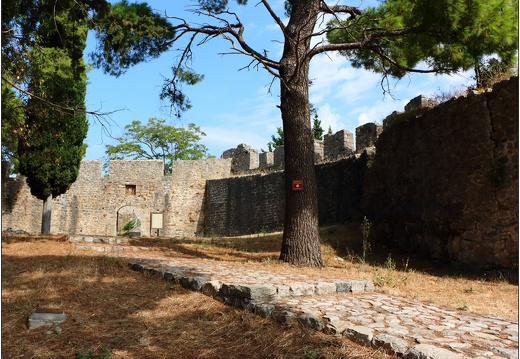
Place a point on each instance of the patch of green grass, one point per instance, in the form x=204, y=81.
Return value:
x=310, y=355
x=104, y=354
x=388, y=275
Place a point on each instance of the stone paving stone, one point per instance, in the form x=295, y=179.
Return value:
x=402, y=326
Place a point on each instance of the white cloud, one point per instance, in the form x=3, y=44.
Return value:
x=220, y=139
x=378, y=111
x=251, y=121
x=334, y=79
x=328, y=117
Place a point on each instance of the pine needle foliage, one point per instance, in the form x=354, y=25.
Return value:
x=445, y=35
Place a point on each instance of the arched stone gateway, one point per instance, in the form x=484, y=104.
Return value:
x=129, y=220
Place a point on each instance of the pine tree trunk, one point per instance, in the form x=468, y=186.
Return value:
x=46, y=215
x=301, y=243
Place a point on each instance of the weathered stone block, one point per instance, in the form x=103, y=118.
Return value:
x=392, y=345
x=366, y=136
x=279, y=158
x=418, y=103
x=257, y=292
x=45, y=317
x=426, y=351
x=325, y=288
x=264, y=310
x=360, y=334
x=301, y=289
x=338, y=145
x=243, y=157
x=284, y=317
x=311, y=321
x=266, y=160
x=211, y=288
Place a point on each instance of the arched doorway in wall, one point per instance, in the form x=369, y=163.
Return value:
x=129, y=220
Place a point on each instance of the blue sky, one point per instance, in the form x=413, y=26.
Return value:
x=233, y=106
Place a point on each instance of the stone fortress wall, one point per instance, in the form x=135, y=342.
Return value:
x=443, y=180
x=96, y=205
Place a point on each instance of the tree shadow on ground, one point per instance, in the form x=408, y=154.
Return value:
x=133, y=314
x=347, y=241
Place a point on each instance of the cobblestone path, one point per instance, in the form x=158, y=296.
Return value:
x=404, y=327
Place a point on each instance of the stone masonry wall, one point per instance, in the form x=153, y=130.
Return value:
x=444, y=180
x=97, y=205
x=244, y=204
x=254, y=204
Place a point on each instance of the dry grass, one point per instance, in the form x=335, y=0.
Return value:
x=134, y=315
x=137, y=316
x=394, y=273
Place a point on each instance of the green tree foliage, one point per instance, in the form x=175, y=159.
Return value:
x=12, y=122
x=126, y=34
x=172, y=90
x=157, y=140
x=491, y=70
x=392, y=39
x=51, y=148
x=317, y=130
x=446, y=35
x=276, y=140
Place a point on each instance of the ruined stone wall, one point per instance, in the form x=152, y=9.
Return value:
x=20, y=210
x=444, y=180
x=131, y=190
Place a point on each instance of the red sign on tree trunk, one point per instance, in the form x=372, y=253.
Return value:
x=297, y=185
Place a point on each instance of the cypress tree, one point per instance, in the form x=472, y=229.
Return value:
x=51, y=149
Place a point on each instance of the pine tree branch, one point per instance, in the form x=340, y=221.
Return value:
x=102, y=117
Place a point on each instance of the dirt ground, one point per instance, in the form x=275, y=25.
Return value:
x=114, y=312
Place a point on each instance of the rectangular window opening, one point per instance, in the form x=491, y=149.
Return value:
x=130, y=190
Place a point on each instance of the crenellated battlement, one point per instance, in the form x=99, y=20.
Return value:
x=334, y=147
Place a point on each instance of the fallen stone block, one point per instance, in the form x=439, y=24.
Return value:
x=45, y=317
